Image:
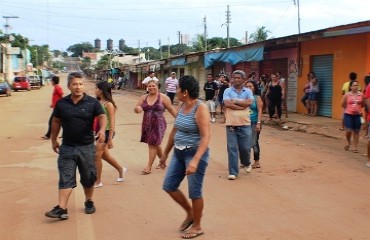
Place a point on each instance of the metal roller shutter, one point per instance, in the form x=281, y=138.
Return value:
x=323, y=68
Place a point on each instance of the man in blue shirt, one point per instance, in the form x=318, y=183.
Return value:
x=237, y=100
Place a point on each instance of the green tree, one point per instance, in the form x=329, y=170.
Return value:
x=261, y=34
x=78, y=48
x=39, y=55
x=20, y=41
x=198, y=43
x=85, y=63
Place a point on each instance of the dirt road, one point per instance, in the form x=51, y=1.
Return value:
x=308, y=186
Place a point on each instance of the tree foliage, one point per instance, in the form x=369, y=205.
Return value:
x=78, y=48
x=39, y=55
x=259, y=35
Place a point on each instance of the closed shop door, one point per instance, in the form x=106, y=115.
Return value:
x=323, y=68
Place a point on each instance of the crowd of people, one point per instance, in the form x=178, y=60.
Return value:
x=89, y=128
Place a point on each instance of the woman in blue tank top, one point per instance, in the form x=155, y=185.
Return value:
x=255, y=116
x=190, y=137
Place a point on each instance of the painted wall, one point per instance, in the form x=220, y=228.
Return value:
x=350, y=54
x=291, y=55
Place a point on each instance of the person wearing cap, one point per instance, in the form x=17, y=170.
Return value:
x=171, y=86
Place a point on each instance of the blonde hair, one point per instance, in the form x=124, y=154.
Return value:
x=152, y=81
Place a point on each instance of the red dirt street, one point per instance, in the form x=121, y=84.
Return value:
x=308, y=187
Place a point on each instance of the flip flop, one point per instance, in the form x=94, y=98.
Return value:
x=346, y=147
x=145, y=172
x=185, y=225
x=191, y=235
x=158, y=167
x=256, y=166
x=355, y=151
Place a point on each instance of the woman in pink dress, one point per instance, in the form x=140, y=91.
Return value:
x=154, y=124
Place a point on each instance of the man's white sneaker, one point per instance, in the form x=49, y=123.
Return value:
x=248, y=169
x=213, y=120
x=232, y=177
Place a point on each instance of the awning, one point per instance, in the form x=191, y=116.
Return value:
x=250, y=54
x=178, y=61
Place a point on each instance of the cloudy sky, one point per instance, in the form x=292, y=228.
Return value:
x=62, y=23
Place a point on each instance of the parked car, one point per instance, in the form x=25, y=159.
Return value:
x=35, y=81
x=21, y=83
x=5, y=89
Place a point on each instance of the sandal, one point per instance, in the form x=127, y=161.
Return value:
x=355, y=151
x=254, y=165
x=144, y=172
x=346, y=147
x=185, y=225
x=190, y=235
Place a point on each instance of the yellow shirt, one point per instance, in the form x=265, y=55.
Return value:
x=345, y=87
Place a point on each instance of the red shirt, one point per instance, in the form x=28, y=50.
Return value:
x=367, y=95
x=57, y=94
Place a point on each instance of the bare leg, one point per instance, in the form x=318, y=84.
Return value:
x=180, y=198
x=356, y=136
x=64, y=196
x=152, y=154
x=98, y=161
x=197, y=214
x=112, y=161
x=348, y=137
x=88, y=193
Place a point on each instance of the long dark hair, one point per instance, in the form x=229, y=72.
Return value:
x=106, y=89
x=257, y=90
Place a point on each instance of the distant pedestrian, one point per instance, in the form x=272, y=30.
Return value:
x=190, y=138
x=238, y=99
x=76, y=113
x=313, y=96
x=225, y=83
x=352, y=102
x=171, y=86
x=275, y=94
x=210, y=88
x=367, y=96
x=306, y=92
x=104, y=95
x=255, y=115
x=346, y=88
x=56, y=95
x=154, y=123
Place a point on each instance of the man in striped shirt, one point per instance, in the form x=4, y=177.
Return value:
x=171, y=86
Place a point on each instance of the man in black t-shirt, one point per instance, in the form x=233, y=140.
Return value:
x=76, y=113
x=211, y=88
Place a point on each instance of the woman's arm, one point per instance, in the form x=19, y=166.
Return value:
x=168, y=105
x=112, y=122
x=344, y=101
x=202, y=118
x=259, y=109
x=138, y=108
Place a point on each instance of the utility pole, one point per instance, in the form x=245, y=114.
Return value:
x=178, y=46
x=147, y=50
x=139, y=51
x=7, y=46
x=296, y=2
x=160, y=48
x=205, y=32
x=7, y=26
x=169, y=48
x=228, y=25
